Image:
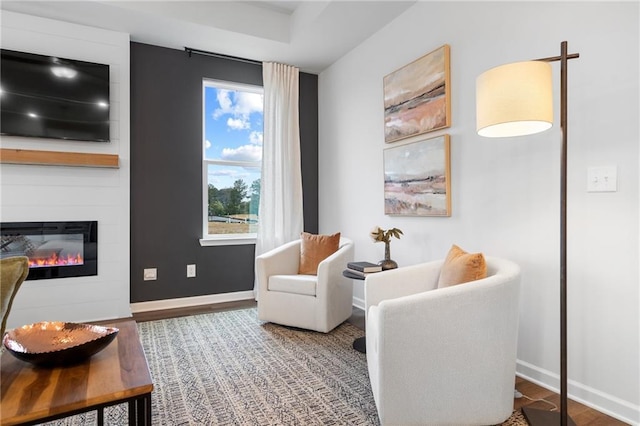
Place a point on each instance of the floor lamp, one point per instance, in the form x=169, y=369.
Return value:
x=516, y=100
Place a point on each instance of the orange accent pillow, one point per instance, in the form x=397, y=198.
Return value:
x=461, y=267
x=314, y=249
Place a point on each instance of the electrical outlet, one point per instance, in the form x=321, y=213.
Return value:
x=191, y=271
x=150, y=274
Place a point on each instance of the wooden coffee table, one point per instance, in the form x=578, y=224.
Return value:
x=117, y=374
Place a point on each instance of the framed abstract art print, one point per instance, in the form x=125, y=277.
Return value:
x=417, y=97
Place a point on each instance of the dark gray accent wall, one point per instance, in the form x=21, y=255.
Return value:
x=309, y=149
x=166, y=173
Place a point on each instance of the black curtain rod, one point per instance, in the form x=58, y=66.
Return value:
x=191, y=51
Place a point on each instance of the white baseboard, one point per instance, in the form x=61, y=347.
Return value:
x=186, y=302
x=358, y=303
x=598, y=400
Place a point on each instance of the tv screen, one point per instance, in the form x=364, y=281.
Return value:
x=51, y=97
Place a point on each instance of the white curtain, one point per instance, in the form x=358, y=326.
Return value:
x=281, y=218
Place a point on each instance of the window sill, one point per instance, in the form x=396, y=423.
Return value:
x=227, y=241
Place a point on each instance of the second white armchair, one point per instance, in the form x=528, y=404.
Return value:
x=442, y=356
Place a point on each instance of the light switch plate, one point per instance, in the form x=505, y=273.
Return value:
x=602, y=179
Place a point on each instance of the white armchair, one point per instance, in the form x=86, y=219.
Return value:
x=314, y=302
x=442, y=356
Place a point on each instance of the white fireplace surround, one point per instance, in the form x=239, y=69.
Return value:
x=32, y=193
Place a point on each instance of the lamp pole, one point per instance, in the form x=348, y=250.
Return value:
x=563, y=238
x=534, y=416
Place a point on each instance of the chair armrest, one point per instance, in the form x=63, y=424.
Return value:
x=337, y=262
x=394, y=283
x=282, y=260
x=330, y=269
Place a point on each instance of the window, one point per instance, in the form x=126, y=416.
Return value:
x=232, y=162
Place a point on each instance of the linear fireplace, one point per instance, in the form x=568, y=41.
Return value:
x=54, y=249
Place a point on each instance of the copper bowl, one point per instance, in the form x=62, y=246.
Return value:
x=57, y=343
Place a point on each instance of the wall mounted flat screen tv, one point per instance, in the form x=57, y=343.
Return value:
x=51, y=97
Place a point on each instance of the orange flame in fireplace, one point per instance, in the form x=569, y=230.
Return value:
x=55, y=260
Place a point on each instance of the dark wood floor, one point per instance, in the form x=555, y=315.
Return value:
x=581, y=414
x=195, y=310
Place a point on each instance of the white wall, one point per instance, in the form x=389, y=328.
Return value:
x=505, y=193
x=53, y=193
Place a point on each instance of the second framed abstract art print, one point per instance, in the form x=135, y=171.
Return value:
x=417, y=178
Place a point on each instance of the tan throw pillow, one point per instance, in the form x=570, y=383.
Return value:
x=314, y=249
x=461, y=267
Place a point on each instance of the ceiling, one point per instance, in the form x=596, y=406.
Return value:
x=308, y=34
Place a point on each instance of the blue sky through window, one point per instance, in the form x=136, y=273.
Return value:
x=232, y=132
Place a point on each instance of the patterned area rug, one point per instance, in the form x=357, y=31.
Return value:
x=229, y=368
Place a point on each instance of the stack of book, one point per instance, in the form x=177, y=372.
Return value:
x=361, y=269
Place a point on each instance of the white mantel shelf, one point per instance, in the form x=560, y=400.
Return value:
x=57, y=158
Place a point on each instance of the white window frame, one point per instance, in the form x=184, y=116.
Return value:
x=222, y=239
